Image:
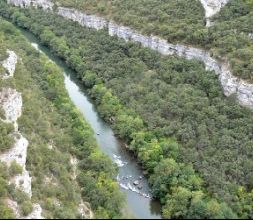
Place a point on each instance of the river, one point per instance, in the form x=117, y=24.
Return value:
x=139, y=202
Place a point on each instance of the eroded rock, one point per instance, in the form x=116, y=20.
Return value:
x=10, y=64
x=11, y=103
x=91, y=21
x=44, y=4
x=212, y=7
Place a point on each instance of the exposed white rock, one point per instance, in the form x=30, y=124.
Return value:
x=91, y=21
x=14, y=206
x=18, y=153
x=11, y=102
x=44, y=4
x=85, y=211
x=10, y=64
x=251, y=35
x=212, y=7
x=74, y=163
x=35, y=214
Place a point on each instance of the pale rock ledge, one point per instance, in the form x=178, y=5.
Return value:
x=10, y=64
x=212, y=7
x=44, y=4
x=11, y=102
x=36, y=213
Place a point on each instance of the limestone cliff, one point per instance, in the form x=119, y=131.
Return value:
x=11, y=103
x=9, y=64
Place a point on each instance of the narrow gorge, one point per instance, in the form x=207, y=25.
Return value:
x=169, y=103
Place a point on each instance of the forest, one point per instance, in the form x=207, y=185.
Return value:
x=170, y=111
x=49, y=118
x=183, y=21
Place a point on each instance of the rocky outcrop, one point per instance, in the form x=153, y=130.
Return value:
x=44, y=4
x=10, y=64
x=35, y=214
x=91, y=21
x=11, y=103
x=18, y=153
x=212, y=7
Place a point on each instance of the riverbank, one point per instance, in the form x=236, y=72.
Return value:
x=199, y=90
x=139, y=201
x=56, y=133
x=110, y=107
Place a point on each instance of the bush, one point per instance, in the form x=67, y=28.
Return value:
x=26, y=208
x=15, y=169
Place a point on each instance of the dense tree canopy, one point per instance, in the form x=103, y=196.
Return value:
x=171, y=112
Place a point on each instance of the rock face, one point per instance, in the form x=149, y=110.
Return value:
x=91, y=21
x=45, y=4
x=212, y=7
x=10, y=64
x=36, y=213
x=19, y=153
x=11, y=102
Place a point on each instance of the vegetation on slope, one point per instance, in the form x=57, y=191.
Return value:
x=183, y=22
x=56, y=132
x=175, y=98
x=6, y=141
x=5, y=211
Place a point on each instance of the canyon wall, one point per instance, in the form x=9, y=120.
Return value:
x=11, y=103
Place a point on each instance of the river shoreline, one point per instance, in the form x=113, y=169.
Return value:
x=139, y=201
